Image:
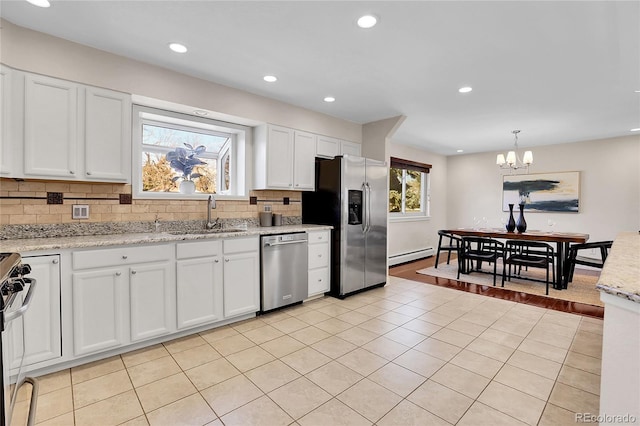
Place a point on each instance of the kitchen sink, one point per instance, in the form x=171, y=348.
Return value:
x=206, y=231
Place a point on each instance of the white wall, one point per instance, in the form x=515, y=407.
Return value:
x=609, y=187
x=36, y=52
x=462, y=186
x=410, y=235
x=377, y=135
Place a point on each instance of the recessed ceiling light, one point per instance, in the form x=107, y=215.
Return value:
x=200, y=112
x=465, y=89
x=270, y=78
x=367, y=21
x=636, y=130
x=178, y=48
x=40, y=3
x=329, y=99
x=460, y=150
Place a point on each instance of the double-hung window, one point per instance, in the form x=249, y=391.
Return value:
x=409, y=193
x=172, y=148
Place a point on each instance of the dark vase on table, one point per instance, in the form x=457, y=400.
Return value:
x=511, y=223
x=522, y=224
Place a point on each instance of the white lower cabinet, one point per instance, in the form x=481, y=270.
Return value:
x=241, y=276
x=115, y=305
x=99, y=310
x=106, y=299
x=319, y=257
x=41, y=321
x=199, y=283
x=151, y=301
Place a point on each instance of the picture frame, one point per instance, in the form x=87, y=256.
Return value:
x=554, y=192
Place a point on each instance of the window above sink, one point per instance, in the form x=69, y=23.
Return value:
x=179, y=156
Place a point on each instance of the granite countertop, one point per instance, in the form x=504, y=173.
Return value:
x=53, y=243
x=621, y=273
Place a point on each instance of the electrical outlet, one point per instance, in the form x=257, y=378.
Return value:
x=80, y=211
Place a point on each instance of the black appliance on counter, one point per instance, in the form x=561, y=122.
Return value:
x=17, y=291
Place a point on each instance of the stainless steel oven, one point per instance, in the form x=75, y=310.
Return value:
x=17, y=290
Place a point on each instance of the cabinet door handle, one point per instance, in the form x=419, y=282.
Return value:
x=54, y=261
x=133, y=272
x=217, y=261
x=71, y=172
x=319, y=255
x=118, y=274
x=226, y=260
x=319, y=280
x=125, y=256
x=88, y=173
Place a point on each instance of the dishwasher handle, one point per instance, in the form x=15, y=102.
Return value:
x=283, y=243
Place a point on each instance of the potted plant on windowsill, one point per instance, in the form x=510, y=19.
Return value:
x=183, y=160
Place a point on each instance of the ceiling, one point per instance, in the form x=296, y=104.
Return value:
x=559, y=71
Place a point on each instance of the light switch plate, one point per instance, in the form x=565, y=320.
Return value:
x=80, y=211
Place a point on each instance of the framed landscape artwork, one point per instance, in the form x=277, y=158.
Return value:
x=543, y=192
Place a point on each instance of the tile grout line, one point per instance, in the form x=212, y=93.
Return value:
x=390, y=296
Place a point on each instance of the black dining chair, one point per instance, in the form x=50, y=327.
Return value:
x=523, y=253
x=479, y=249
x=574, y=259
x=452, y=245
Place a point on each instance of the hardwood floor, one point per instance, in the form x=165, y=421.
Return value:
x=408, y=271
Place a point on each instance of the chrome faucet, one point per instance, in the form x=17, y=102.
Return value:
x=211, y=204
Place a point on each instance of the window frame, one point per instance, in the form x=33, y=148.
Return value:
x=236, y=148
x=425, y=190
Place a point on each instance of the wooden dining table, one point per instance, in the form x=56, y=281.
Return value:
x=562, y=240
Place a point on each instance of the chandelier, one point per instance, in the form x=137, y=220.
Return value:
x=513, y=160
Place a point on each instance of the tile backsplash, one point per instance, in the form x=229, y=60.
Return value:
x=31, y=211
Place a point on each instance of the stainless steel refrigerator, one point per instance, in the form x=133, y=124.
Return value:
x=351, y=195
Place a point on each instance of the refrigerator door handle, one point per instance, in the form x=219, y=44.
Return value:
x=368, y=200
x=364, y=207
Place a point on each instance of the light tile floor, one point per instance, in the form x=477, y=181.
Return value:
x=405, y=354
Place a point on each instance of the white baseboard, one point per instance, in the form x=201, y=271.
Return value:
x=410, y=256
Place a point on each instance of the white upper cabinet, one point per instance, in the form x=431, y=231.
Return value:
x=74, y=132
x=284, y=159
x=51, y=127
x=304, y=163
x=279, y=158
x=327, y=147
x=107, y=135
x=350, y=148
x=6, y=151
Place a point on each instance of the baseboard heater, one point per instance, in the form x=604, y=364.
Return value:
x=411, y=255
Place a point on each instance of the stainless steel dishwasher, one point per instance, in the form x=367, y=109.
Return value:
x=284, y=270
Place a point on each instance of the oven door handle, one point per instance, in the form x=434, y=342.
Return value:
x=10, y=316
